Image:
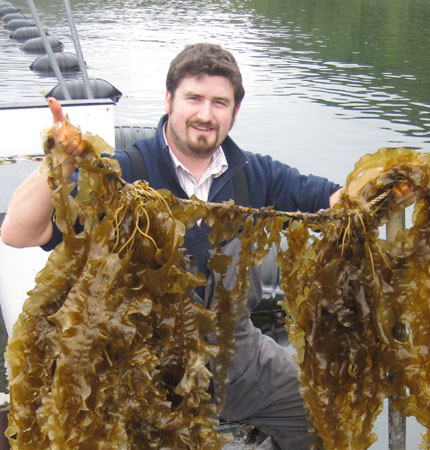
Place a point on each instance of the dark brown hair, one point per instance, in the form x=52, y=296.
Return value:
x=205, y=59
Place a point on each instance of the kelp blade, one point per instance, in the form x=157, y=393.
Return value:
x=111, y=352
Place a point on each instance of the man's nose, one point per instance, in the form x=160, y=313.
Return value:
x=204, y=112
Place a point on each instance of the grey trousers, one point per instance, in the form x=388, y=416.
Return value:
x=264, y=392
x=263, y=389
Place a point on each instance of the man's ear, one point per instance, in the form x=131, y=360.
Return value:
x=168, y=102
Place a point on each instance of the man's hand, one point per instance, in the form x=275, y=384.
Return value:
x=404, y=193
x=63, y=133
x=334, y=198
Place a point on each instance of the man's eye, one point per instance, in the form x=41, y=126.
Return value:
x=221, y=102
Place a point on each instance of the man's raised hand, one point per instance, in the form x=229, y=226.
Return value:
x=68, y=136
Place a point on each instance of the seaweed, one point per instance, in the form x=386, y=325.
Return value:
x=111, y=352
x=358, y=305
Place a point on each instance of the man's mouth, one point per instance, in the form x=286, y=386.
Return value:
x=203, y=128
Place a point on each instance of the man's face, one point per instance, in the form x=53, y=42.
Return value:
x=201, y=113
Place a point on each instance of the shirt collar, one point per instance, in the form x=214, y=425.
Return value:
x=217, y=166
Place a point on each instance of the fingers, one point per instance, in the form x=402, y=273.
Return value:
x=335, y=197
x=403, y=189
x=77, y=146
x=63, y=132
x=56, y=110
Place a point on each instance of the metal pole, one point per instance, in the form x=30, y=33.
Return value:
x=49, y=51
x=78, y=49
x=396, y=421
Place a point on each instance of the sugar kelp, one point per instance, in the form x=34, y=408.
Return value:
x=111, y=352
x=358, y=306
x=108, y=351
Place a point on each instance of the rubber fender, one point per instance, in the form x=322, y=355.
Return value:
x=12, y=16
x=67, y=62
x=24, y=34
x=7, y=9
x=18, y=23
x=35, y=45
x=125, y=135
x=100, y=89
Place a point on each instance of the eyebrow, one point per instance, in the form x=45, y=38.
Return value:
x=195, y=94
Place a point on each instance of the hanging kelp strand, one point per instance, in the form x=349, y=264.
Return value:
x=111, y=351
x=358, y=307
x=117, y=358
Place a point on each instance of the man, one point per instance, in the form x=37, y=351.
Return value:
x=192, y=154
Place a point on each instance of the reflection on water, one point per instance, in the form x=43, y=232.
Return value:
x=368, y=59
x=325, y=81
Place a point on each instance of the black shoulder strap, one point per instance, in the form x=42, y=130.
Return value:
x=139, y=171
x=240, y=188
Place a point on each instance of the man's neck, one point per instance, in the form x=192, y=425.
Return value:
x=197, y=166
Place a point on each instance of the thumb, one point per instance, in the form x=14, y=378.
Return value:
x=56, y=110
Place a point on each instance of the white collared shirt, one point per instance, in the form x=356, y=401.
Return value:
x=189, y=184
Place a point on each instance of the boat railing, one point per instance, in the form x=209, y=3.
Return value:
x=50, y=52
x=396, y=421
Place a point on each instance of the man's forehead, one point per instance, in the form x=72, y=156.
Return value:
x=200, y=79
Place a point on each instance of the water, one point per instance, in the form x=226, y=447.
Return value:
x=326, y=81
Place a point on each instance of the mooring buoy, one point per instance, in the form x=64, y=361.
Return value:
x=7, y=9
x=67, y=62
x=12, y=16
x=35, y=45
x=100, y=89
x=23, y=34
x=18, y=23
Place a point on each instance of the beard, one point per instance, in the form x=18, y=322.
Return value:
x=200, y=146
